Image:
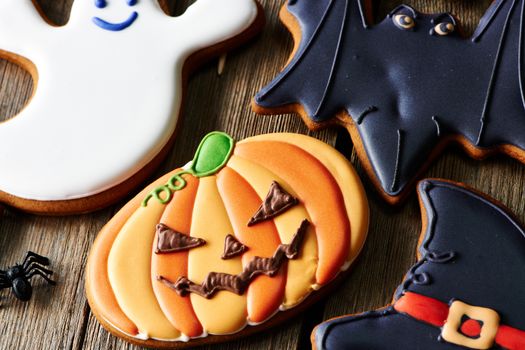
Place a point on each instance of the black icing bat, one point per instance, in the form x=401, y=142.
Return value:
x=467, y=291
x=407, y=86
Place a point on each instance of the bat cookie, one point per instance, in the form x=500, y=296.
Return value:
x=109, y=86
x=213, y=251
x=467, y=291
x=406, y=87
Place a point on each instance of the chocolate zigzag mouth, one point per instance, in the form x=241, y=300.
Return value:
x=217, y=281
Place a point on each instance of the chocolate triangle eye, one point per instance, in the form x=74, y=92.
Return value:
x=277, y=201
x=171, y=241
x=232, y=247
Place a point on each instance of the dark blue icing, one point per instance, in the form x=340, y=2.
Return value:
x=386, y=330
x=101, y=3
x=115, y=27
x=407, y=89
x=472, y=251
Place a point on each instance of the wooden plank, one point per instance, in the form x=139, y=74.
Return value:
x=54, y=318
x=58, y=318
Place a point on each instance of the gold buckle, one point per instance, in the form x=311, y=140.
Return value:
x=451, y=330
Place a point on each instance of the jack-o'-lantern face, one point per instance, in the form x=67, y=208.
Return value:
x=277, y=202
x=246, y=230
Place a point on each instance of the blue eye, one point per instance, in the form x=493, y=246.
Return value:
x=132, y=2
x=100, y=3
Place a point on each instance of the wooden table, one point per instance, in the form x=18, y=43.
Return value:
x=60, y=318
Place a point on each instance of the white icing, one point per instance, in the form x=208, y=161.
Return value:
x=144, y=336
x=106, y=102
x=241, y=328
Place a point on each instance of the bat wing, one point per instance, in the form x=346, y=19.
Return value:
x=308, y=78
x=501, y=33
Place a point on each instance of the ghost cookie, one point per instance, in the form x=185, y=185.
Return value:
x=214, y=251
x=406, y=87
x=467, y=290
x=108, y=92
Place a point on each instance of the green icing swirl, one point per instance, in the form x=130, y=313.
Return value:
x=213, y=153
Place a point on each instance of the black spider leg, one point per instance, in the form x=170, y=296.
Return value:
x=37, y=272
x=428, y=255
x=34, y=257
x=3, y=277
x=36, y=265
x=4, y=283
x=31, y=263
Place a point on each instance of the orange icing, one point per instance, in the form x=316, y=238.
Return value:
x=316, y=187
x=129, y=272
x=345, y=175
x=301, y=271
x=226, y=312
x=98, y=288
x=265, y=294
x=177, y=216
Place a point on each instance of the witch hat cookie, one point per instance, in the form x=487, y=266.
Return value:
x=467, y=291
x=109, y=87
x=191, y=260
x=405, y=87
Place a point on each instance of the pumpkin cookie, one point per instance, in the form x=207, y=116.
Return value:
x=109, y=87
x=214, y=250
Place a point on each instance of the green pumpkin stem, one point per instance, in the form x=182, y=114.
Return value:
x=213, y=153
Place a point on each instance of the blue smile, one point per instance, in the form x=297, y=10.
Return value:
x=115, y=27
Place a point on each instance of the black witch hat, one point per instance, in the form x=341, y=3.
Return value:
x=467, y=291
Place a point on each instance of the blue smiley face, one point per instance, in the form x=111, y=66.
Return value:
x=115, y=27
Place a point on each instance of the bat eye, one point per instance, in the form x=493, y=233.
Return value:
x=444, y=28
x=404, y=22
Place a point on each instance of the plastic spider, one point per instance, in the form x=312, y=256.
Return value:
x=18, y=277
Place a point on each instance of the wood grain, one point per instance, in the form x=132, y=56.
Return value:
x=59, y=317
